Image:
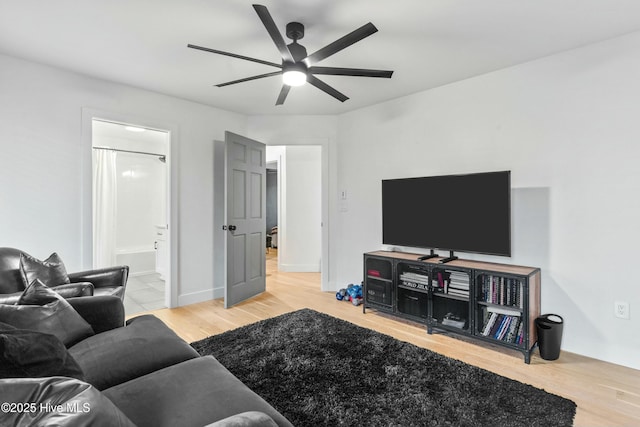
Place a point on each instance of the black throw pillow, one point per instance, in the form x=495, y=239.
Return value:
x=42, y=309
x=32, y=354
x=51, y=271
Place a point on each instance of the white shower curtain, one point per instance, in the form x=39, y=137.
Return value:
x=104, y=208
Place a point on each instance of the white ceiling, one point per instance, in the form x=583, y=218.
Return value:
x=428, y=43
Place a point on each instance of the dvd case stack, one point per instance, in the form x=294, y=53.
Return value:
x=414, y=280
x=458, y=283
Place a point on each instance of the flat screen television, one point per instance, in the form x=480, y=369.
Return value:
x=467, y=213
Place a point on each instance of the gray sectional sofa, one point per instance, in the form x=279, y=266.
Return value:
x=135, y=374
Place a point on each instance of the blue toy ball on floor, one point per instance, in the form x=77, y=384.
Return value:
x=351, y=293
x=341, y=294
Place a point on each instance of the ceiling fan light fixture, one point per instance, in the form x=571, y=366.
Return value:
x=294, y=74
x=294, y=78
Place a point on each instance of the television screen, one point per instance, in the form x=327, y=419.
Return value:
x=467, y=213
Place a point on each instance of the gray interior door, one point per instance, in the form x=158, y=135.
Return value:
x=245, y=218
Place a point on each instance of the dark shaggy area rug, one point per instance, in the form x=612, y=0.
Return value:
x=318, y=370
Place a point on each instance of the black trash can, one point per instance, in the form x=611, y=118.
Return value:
x=549, y=328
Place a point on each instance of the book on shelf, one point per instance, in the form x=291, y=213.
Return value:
x=488, y=323
x=414, y=277
x=503, y=310
x=503, y=327
x=458, y=293
x=458, y=276
x=501, y=290
x=372, y=272
x=414, y=285
x=519, y=335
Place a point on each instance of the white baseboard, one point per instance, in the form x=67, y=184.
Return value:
x=218, y=293
x=299, y=268
x=331, y=287
x=200, y=296
x=143, y=273
x=194, y=297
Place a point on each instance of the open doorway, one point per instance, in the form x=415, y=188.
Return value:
x=130, y=209
x=294, y=212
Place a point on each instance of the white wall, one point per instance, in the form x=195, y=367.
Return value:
x=41, y=164
x=299, y=230
x=567, y=127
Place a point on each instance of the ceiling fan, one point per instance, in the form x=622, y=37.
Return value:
x=298, y=68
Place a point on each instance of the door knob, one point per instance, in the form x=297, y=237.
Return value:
x=232, y=228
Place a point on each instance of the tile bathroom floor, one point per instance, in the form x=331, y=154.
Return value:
x=144, y=293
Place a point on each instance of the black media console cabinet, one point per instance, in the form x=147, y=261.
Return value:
x=496, y=303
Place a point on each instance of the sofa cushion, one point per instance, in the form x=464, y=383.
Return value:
x=58, y=401
x=208, y=393
x=42, y=309
x=144, y=345
x=51, y=271
x=26, y=353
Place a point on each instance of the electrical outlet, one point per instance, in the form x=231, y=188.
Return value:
x=621, y=309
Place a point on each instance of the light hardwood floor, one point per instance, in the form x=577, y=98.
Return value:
x=606, y=394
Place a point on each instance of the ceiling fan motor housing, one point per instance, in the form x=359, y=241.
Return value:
x=295, y=30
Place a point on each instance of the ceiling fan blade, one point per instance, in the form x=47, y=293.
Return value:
x=342, y=43
x=326, y=88
x=358, y=72
x=283, y=94
x=272, y=29
x=246, y=58
x=246, y=79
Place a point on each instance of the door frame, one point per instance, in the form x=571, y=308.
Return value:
x=86, y=226
x=323, y=142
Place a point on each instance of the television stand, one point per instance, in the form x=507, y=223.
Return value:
x=488, y=302
x=431, y=255
x=450, y=258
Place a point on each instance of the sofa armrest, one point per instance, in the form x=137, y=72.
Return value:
x=110, y=276
x=78, y=289
x=102, y=312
